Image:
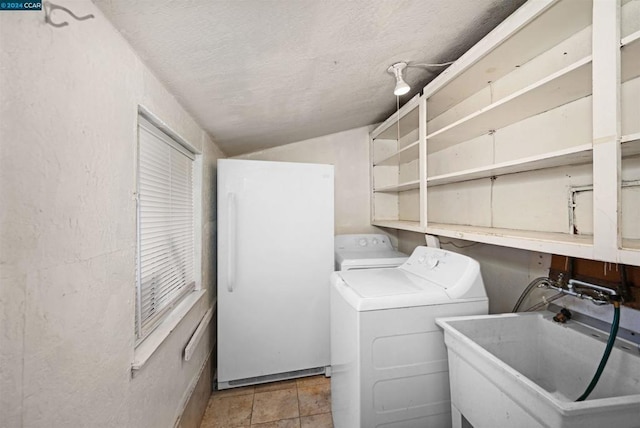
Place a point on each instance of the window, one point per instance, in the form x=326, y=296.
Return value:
x=166, y=243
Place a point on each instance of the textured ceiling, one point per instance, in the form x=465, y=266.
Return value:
x=262, y=73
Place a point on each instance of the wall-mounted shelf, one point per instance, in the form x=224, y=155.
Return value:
x=629, y=139
x=630, y=53
x=631, y=244
x=409, y=153
x=408, y=115
x=630, y=150
x=542, y=95
x=629, y=257
x=573, y=156
x=630, y=145
x=630, y=252
x=397, y=174
x=533, y=29
x=550, y=242
x=413, y=226
x=402, y=187
x=569, y=84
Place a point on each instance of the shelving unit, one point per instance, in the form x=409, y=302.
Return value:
x=515, y=131
x=404, y=155
x=402, y=187
x=630, y=194
x=525, y=35
x=555, y=243
x=397, y=171
x=630, y=143
x=573, y=156
x=630, y=50
x=562, y=87
x=517, y=142
x=412, y=226
x=630, y=138
x=388, y=130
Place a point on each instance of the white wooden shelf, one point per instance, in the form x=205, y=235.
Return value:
x=631, y=244
x=413, y=226
x=630, y=40
x=572, y=156
x=630, y=138
x=630, y=252
x=408, y=114
x=567, y=85
x=407, y=154
x=631, y=147
x=402, y=187
x=539, y=38
x=630, y=53
x=533, y=29
x=547, y=242
x=397, y=196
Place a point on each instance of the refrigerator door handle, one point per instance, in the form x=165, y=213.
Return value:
x=232, y=230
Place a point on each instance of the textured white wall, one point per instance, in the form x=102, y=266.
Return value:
x=67, y=229
x=348, y=151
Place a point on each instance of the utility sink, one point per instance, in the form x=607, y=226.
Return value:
x=525, y=370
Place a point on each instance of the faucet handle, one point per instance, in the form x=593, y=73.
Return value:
x=563, y=316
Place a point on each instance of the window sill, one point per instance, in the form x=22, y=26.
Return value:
x=152, y=343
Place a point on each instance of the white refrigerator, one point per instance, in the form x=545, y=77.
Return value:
x=275, y=256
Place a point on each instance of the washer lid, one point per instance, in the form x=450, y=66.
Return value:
x=369, y=258
x=351, y=264
x=376, y=289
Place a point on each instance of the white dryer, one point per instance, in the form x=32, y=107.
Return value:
x=388, y=356
x=366, y=251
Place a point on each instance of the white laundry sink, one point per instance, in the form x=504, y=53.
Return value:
x=525, y=370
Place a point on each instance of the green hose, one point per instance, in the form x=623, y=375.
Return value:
x=603, y=362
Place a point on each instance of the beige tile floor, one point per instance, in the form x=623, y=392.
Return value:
x=301, y=403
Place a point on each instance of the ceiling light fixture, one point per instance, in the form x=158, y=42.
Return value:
x=401, y=86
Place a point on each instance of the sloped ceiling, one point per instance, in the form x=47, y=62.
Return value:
x=262, y=73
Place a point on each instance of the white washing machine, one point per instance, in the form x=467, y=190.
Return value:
x=388, y=356
x=366, y=251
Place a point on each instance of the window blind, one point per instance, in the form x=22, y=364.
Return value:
x=165, y=261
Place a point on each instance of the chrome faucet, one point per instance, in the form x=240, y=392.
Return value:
x=597, y=295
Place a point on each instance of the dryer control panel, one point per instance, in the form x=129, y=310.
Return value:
x=362, y=242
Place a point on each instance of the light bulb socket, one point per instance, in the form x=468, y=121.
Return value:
x=396, y=70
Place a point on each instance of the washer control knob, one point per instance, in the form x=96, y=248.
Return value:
x=362, y=242
x=422, y=259
x=374, y=241
x=432, y=262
